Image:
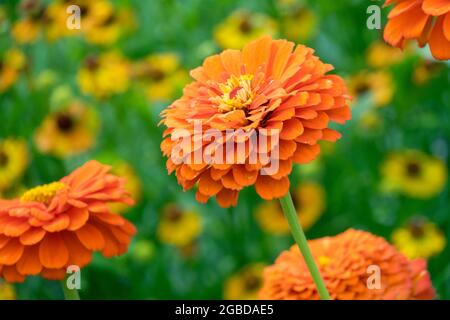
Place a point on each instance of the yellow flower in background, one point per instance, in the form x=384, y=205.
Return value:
x=69, y=131
x=111, y=28
x=104, y=75
x=14, y=160
x=419, y=239
x=7, y=291
x=425, y=70
x=92, y=13
x=161, y=74
x=142, y=251
x=309, y=201
x=32, y=20
x=178, y=227
x=381, y=55
x=245, y=284
x=242, y=27
x=26, y=30
x=299, y=24
x=414, y=174
x=12, y=62
x=379, y=85
x=133, y=185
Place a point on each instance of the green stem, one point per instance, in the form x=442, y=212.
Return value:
x=300, y=238
x=69, y=294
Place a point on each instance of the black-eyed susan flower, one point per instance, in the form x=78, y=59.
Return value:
x=31, y=22
x=104, y=75
x=245, y=284
x=380, y=55
x=344, y=262
x=7, y=291
x=11, y=63
x=414, y=174
x=309, y=201
x=243, y=26
x=419, y=238
x=111, y=27
x=14, y=160
x=92, y=13
x=378, y=85
x=298, y=23
x=161, y=75
x=68, y=131
x=178, y=227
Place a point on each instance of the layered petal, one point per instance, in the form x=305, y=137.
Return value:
x=260, y=111
x=61, y=224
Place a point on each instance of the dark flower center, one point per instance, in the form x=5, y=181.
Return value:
x=91, y=63
x=245, y=26
x=84, y=10
x=109, y=21
x=65, y=123
x=174, y=214
x=156, y=74
x=252, y=283
x=3, y=158
x=416, y=227
x=300, y=13
x=413, y=169
x=362, y=88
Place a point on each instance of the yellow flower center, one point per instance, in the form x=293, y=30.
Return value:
x=324, y=261
x=236, y=93
x=43, y=194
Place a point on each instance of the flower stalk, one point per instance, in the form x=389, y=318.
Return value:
x=300, y=238
x=69, y=294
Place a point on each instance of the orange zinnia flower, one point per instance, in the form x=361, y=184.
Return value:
x=268, y=85
x=427, y=21
x=60, y=224
x=348, y=263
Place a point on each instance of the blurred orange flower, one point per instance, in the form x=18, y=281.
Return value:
x=269, y=85
x=346, y=262
x=60, y=224
x=427, y=21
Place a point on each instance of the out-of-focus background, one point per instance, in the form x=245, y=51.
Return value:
x=67, y=96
